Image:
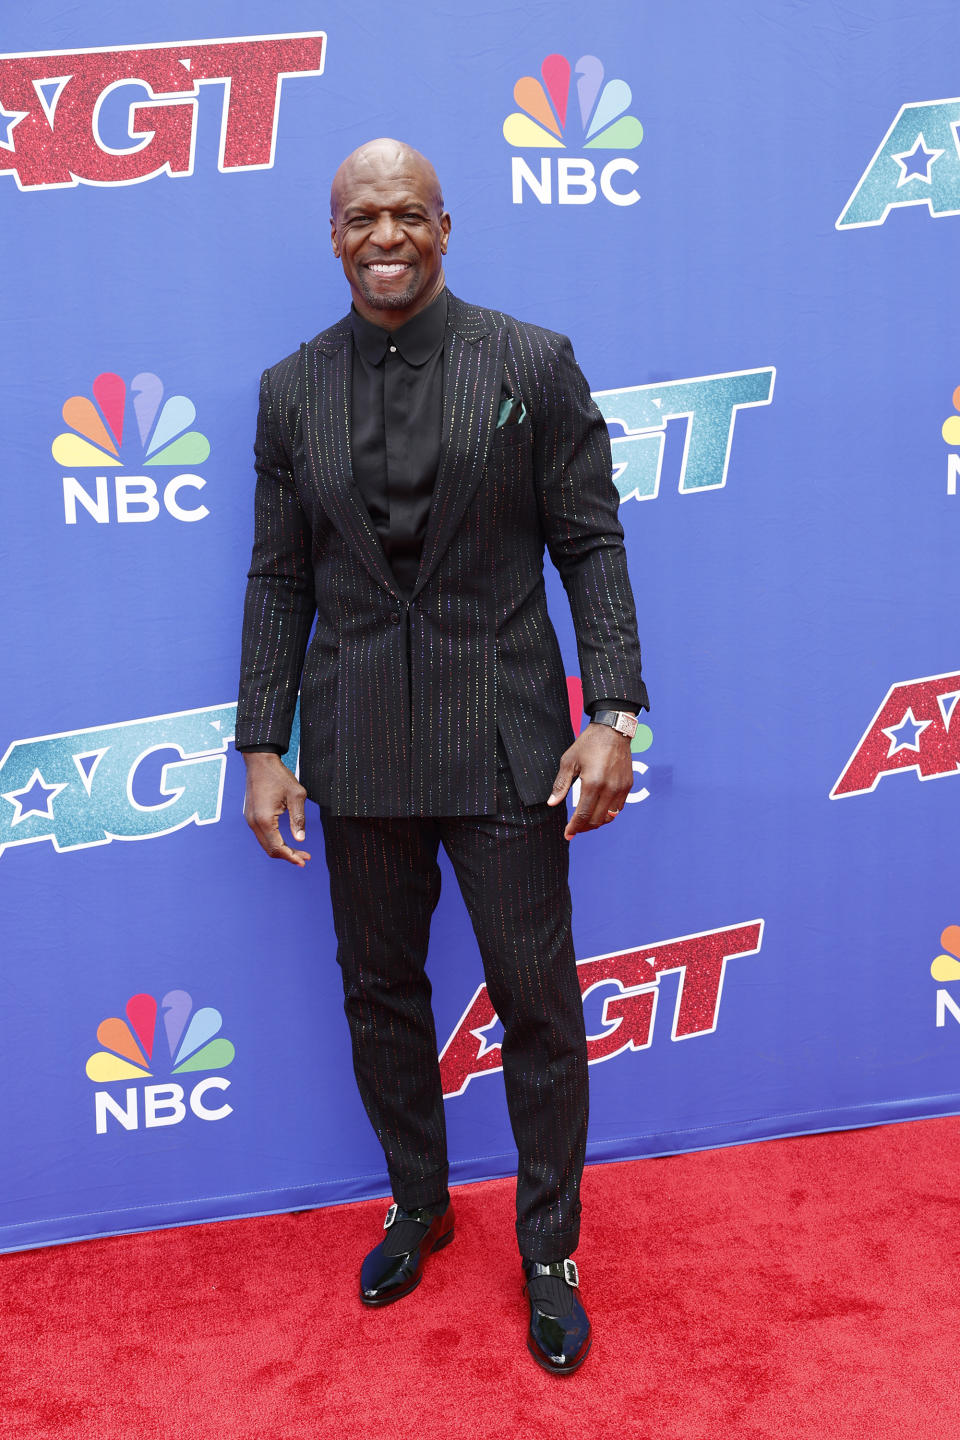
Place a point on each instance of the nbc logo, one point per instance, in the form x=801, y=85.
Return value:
x=642, y=740
x=946, y=969
x=545, y=120
x=95, y=440
x=950, y=430
x=132, y=1050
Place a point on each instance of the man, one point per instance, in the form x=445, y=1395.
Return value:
x=413, y=461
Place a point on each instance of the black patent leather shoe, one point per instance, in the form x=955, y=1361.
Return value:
x=559, y=1337
x=395, y=1266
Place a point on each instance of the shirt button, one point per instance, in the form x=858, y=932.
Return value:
x=393, y=349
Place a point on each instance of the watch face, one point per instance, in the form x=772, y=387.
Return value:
x=626, y=724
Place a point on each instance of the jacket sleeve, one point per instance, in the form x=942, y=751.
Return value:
x=280, y=604
x=578, y=504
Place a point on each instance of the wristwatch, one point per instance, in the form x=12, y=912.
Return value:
x=620, y=720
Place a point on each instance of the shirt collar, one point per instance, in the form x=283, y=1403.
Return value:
x=417, y=340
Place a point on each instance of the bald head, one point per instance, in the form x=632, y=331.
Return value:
x=382, y=160
x=389, y=230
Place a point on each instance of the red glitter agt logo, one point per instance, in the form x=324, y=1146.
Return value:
x=916, y=728
x=632, y=980
x=50, y=107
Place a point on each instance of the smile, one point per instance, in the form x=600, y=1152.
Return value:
x=392, y=268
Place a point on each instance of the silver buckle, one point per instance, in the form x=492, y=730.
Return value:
x=570, y=1274
x=391, y=1216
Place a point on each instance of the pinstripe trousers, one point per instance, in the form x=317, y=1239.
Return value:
x=512, y=871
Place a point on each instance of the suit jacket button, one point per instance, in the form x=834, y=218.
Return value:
x=395, y=616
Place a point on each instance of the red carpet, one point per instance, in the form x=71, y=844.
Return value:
x=803, y=1288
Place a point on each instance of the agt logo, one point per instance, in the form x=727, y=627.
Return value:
x=544, y=122
x=52, y=107
x=620, y=993
x=917, y=163
x=132, y=1051
x=916, y=728
x=132, y=781
x=94, y=441
x=708, y=403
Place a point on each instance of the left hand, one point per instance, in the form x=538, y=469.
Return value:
x=601, y=757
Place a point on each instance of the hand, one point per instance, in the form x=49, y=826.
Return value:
x=271, y=789
x=600, y=755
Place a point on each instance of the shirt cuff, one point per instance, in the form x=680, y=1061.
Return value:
x=596, y=705
x=258, y=749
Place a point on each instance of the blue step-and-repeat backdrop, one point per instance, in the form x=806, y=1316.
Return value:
x=746, y=217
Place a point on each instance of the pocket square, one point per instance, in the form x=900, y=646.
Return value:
x=512, y=411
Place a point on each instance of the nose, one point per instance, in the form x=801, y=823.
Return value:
x=387, y=232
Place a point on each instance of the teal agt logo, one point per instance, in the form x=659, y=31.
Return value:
x=916, y=163
x=132, y=781
x=708, y=403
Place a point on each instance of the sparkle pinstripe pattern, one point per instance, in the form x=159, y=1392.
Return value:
x=441, y=720
x=512, y=871
x=402, y=701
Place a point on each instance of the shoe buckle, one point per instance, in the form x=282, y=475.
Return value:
x=570, y=1274
x=391, y=1216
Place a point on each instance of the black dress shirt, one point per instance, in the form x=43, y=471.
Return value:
x=396, y=416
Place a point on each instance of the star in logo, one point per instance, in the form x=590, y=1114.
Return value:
x=486, y=1041
x=906, y=735
x=946, y=703
x=915, y=164
x=36, y=798
x=8, y=120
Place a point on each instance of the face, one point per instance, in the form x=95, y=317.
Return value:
x=390, y=235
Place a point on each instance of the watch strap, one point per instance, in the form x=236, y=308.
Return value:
x=619, y=720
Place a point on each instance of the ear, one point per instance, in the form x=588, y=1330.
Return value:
x=334, y=238
x=445, y=226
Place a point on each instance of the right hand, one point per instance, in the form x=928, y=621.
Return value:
x=271, y=789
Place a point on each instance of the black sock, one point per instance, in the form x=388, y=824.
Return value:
x=405, y=1235
x=550, y=1293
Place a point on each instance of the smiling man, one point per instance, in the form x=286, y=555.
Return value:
x=413, y=463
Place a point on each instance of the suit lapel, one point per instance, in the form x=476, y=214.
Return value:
x=472, y=368
x=327, y=365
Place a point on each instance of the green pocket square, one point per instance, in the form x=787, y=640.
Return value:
x=511, y=411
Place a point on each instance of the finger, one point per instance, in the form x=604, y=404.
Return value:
x=268, y=833
x=616, y=804
x=298, y=823
x=598, y=806
x=575, y=825
x=595, y=801
x=295, y=857
x=565, y=778
x=582, y=817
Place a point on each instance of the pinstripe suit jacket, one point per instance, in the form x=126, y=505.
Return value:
x=402, y=697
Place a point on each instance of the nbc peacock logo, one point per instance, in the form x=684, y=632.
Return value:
x=546, y=121
x=138, y=1048
x=103, y=436
x=950, y=430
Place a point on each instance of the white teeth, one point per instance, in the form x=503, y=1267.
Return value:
x=386, y=269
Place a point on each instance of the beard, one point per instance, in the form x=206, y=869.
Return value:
x=399, y=300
